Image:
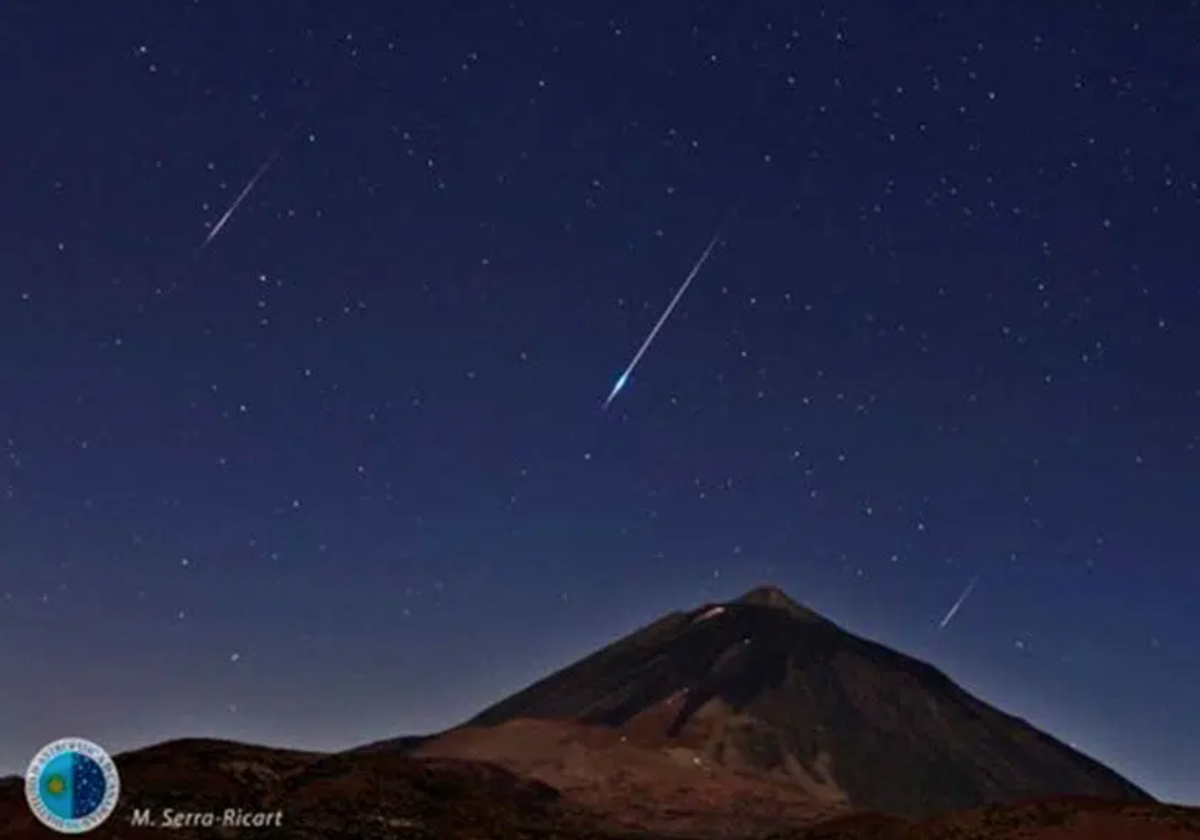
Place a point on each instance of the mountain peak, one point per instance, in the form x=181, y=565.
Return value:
x=771, y=596
x=763, y=685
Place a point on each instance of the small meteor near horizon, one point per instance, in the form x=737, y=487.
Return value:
x=957, y=605
x=623, y=379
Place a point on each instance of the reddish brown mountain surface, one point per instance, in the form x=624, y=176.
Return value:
x=751, y=719
x=639, y=785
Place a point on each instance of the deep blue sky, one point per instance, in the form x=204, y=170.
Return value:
x=344, y=473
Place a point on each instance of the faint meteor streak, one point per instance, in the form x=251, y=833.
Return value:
x=962, y=599
x=246, y=190
x=623, y=379
x=216, y=229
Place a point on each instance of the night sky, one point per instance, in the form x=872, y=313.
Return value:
x=341, y=471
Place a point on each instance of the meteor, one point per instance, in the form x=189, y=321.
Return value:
x=216, y=229
x=246, y=190
x=623, y=379
x=962, y=599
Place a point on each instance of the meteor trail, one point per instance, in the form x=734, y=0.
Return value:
x=962, y=599
x=262, y=170
x=216, y=229
x=623, y=379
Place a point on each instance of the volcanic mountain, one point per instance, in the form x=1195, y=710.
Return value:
x=765, y=690
x=755, y=718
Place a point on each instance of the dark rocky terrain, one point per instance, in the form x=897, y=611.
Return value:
x=751, y=719
x=1063, y=818
x=382, y=795
x=378, y=794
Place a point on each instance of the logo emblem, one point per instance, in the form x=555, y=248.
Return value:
x=72, y=785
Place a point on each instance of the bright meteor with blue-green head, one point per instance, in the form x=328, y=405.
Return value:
x=623, y=379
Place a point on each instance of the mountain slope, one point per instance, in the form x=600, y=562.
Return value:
x=667, y=792
x=765, y=686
